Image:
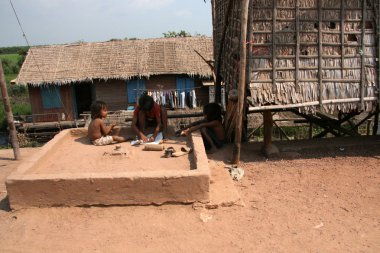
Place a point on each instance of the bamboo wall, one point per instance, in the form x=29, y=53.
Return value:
x=315, y=54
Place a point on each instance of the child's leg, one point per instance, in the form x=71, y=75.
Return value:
x=119, y=138
x=205, y=135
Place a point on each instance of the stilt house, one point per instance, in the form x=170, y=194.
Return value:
x=315, y=55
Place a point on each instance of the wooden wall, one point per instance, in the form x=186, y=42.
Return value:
x=50, y=114
x=113, y=93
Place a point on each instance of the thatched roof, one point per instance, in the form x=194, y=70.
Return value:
x=126, y=59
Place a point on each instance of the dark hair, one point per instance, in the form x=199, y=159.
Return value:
x=96, y=107
x=146, y=103
x=213, y=111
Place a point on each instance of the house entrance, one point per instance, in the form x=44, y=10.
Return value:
x=83, y=98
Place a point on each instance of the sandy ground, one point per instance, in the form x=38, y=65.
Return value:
x=315, y=197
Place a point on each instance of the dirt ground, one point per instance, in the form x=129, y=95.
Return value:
x=320, y=196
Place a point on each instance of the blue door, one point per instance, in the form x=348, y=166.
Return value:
x=135, y=88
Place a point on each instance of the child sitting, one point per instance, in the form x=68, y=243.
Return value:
x=211, y=128
x=98, y=132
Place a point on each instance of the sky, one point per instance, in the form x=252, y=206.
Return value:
x=47, y=22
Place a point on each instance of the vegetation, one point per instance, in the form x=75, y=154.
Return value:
x=13, y=50
x=173, y=34
x=12, y=59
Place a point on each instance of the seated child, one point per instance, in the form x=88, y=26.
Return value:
x=98, y=132
x=149, y=114
x=211, y=127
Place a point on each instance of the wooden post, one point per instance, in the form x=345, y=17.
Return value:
x=362, y=72
x=8, y=111
x=310, y=131
x=268, y=125
x=218, y=81
x=242, y=81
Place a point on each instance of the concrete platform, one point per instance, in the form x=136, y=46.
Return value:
x=70, y=171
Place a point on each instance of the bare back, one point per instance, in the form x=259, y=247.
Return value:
x=95, y=129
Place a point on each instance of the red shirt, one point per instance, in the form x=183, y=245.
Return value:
x=152, y=114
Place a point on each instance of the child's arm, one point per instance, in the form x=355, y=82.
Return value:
x=201, y=125
x=191, y=125
x=104, y=129
x=137, y=130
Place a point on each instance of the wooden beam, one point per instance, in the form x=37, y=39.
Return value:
x=242, y=81
x=8, y=111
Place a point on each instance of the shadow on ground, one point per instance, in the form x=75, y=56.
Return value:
x=4, y=204
x=363, y=146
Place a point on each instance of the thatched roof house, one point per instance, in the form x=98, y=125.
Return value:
x=124, y=59
x=307, y=54
x=110, y=70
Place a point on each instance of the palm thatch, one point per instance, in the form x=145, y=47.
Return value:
x=311, y=54
x=126, y=59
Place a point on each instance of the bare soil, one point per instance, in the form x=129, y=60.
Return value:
x=316, y=196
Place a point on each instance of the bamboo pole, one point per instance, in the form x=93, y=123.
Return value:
x=362, y=74
x=313, y=103
x=8, y=111
x=274, y=70
x=297, y=45
x=242, y=81
x=320, y=52
x=218, y=81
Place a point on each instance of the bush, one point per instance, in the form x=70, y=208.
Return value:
x=17, y=109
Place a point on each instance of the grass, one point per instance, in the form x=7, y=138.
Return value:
x=9, y=78
x=17, y=109
x=10, y=57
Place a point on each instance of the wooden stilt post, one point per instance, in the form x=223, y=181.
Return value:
x=8, y=111
x=269, y=149
x=268, y=126
x=242, y=81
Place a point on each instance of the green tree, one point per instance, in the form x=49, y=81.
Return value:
x=173, y=34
